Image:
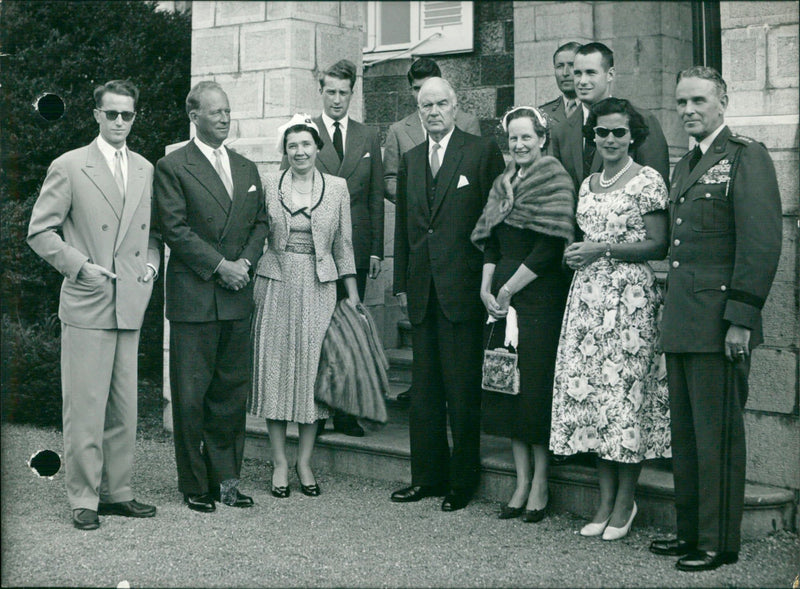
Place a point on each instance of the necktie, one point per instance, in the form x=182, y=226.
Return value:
x=695, y=158
x=435, y=159
x=118, y=177
x=588, y=158
x=337, y=140
x=570, y=107
x=222, y=173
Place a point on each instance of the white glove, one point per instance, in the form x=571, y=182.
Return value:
x=512, y=328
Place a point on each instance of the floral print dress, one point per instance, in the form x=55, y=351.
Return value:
x=610, y=389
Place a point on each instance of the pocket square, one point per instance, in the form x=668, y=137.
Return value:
x=366, y=155
x=252, y=188
x=462, y=181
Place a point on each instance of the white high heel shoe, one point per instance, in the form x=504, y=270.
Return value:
x=612, y=533
x=590, y=530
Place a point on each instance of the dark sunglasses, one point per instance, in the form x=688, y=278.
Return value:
x=111, y=115
x=617, y=132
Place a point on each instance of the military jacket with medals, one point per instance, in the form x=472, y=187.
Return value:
x=725, y=241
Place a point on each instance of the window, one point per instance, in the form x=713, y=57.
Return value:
x=417, y=28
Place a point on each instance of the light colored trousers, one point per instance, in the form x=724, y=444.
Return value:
x=99, y=388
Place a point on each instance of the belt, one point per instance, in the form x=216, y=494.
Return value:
x=300, y=248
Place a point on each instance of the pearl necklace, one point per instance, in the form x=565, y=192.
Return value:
x=615, y=177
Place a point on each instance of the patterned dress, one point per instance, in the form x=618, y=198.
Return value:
x=610, y=390
x=291, y=318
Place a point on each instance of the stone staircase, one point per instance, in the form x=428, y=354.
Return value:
x=384, y=454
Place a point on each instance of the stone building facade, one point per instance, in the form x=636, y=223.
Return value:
x=267, y=56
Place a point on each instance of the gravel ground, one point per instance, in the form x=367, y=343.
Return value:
x=350, y=536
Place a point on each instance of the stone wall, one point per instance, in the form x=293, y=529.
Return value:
x=267, y=55
x=760, y=66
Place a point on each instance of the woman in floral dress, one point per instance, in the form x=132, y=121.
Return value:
x=610, y=393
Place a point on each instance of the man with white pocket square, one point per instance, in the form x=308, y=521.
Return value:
x=352, y=150
x=212, y=212
x=442, y=187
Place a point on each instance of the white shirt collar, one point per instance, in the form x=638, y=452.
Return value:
x=107, y=151
x=208, y=151
x=329, y=124
x=586, y=109
x=706, y=143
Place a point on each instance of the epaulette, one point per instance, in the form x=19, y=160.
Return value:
x=741, y=139
x=553, y=102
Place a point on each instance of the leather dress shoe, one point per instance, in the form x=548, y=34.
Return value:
x=671, y=547
x=127, y=509
x=85, y=519
x=203, y=503
x=347, y=425
x=404, y=398
x=417, y=492
x=456, y=500
x=239, y=500
x=703, y=560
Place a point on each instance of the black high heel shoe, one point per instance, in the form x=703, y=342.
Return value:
x=280, y=492
x=308, y=490
x=508, y=512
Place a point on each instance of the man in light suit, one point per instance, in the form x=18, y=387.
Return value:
x=725, y=209
x=99, y=197
x=409, y=132
x=442, y=187
x=212, y=213
x=559, y=109
x=593, y=72
x=352, y=150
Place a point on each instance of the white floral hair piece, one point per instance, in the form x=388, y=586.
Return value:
x=513, y=109
x=298, y=119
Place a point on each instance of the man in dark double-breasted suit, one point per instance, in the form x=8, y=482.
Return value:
x=442, y=188
x=725, y=242
x=212, y=212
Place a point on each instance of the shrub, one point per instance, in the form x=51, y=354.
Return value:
x=31, y=375
x=68, y=48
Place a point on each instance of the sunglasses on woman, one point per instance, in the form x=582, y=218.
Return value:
x=111, y=115
x=618, y=132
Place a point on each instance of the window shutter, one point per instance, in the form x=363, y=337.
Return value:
x=454, y=20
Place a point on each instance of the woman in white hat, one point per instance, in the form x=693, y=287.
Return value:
x=307, y=249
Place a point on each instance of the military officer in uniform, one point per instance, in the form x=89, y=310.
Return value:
x=560, y=108
x=725, y=242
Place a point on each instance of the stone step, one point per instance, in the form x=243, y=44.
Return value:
x=399, y=365
x=384, y=454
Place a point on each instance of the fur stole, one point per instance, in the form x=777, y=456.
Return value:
x=542, y=201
